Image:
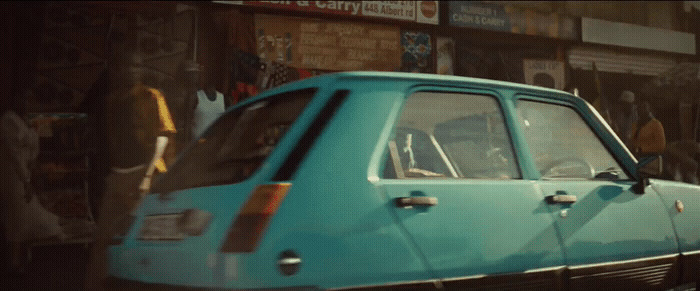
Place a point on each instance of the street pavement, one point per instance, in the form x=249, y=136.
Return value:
x=56, y=267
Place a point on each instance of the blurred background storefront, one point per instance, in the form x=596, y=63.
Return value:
x=58, y=53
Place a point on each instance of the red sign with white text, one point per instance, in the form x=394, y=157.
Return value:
x=415, y=11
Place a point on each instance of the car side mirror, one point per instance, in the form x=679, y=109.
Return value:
x=647, y=167
x=650, y=166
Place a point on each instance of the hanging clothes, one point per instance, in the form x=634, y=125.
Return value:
x=275, y=74
x=23, y=217
x=207, y=111
x=242, y=91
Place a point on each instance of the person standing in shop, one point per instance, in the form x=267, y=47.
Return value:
x=648, y=136
x=136, y=117
x=626, y=117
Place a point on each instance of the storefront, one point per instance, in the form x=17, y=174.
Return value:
x=243, y=47
x=58, y=60
x=65, y=53
x=511, y=44
x=631, y=57
x=268, y=43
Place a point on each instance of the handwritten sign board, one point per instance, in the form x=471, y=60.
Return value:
x=545, y=73
x=414, y=11
x=323, y=45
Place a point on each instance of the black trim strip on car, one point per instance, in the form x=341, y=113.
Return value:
x=539, y=279
x=408, y=285
x=657, y=273
x=114, y=283
x=690, y=267
x=290, y=165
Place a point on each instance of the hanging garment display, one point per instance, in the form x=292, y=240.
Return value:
x=241, y=91
x=276, y=74
x=207, y=110
x=244, y=70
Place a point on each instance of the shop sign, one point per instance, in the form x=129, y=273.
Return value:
x=479, y=15
x=545, y=73
x=416, y=11
x=324, y=45
x=508, y=18
x=636, y=36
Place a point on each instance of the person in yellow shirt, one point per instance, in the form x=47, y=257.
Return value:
x=136, y=117
x=648, y=133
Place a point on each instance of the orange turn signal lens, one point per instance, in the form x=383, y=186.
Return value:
x=250, y=224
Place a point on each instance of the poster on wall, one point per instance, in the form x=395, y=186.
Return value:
x=544, y=73
x=416, y=54
x=445, y=55
x=414, y=11
x=323, y=45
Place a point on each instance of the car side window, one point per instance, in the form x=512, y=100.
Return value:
x=450, y=135
x=563, y=145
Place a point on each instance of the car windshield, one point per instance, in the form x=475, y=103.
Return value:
x=233, y=148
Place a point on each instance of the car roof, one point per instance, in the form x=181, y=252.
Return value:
x=323, y=80
x=409, y=79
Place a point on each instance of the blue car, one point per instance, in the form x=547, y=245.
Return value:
x=377, y=180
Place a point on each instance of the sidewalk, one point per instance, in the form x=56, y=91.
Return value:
x=55, y=267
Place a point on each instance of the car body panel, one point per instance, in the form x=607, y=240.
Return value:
x=520, y=236
x=683, y=206
x=473, y=231
x=338, y=224
x=686, y=219
x=629, y=233
x=341, y=219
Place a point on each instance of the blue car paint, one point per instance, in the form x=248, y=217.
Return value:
x=348, y=233
x=687, y=222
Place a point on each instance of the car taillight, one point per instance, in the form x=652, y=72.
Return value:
x=250, y=224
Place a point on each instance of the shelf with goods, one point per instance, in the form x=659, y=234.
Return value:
x=61, y=173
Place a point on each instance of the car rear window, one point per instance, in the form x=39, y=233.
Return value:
x=233, y=148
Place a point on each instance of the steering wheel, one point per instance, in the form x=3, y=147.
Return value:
x=552, y=170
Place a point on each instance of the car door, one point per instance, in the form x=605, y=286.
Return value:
x=455, y=186
x=612, y=237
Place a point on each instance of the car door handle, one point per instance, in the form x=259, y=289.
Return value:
x=560, y=199
x=404, y=202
